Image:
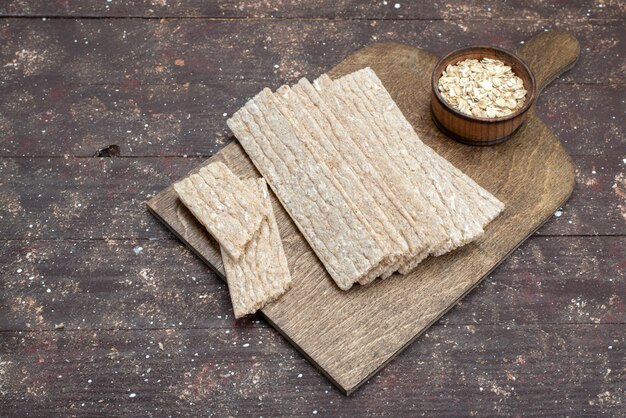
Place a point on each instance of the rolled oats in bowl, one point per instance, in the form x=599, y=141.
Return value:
x=486, y=88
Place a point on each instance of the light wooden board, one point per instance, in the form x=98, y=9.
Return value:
x=350, y=335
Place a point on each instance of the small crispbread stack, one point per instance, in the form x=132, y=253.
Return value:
x=227, y=208
x=261, y=274
x=325, y=213
x=367, y=194
x=239, y=215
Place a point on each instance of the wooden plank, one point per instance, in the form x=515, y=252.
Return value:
x=325, y=9
x=109, y=284
x=95, y=198
x=130, y=284
x=83, y=198
x=592, y=125
x=582, y=387
x=535, y=176
x=177, y=120
x=545, y=370
x=59, y=53
x=151, y=120
x=594, y=181
x=551, y=280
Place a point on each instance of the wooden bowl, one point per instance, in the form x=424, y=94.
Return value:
x=474, y=130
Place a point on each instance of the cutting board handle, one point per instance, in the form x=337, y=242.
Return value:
x=549, y=54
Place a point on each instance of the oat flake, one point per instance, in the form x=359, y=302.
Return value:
x=487, y=88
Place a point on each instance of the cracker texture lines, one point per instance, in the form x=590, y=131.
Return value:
x=229, y=210
x=261, y=274
x=368, y=195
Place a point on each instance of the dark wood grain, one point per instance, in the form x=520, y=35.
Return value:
x=325, y=9
x=595, y=179
x=65, y=97
x=559, y=369
x=592, y=126
x=536, y=177
x=102, y=198
x=130, y=53
x=496, y=370
x=134, y=284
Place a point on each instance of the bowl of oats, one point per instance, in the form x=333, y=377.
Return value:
x=481, y=95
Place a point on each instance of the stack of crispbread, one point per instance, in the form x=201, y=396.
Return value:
x=368, y=195
x=239, y=215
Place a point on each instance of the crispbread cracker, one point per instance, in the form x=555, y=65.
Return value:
x=261, y=274
x=412, y=214
x=222, y=203
x=367, y=194
x=349, y=134
x=306, y=190
x=472, y=205
x=433, y=226
x=341, y=176
x=333, y=152
x=455, y=224
x=362, y=248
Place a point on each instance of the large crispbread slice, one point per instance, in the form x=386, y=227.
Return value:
x=307, y=191
x=261, y=274
x=474, y=192
x=463, y=207
x=329, y=150
x=224, y=205
x=430, y=185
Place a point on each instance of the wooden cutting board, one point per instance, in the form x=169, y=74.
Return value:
x=349, y=336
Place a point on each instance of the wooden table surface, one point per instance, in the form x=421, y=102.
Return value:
x=104, y=312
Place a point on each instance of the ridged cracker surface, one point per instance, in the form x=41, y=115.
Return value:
x=414, y=218
x=468, y=206
x=261, y=274
x=224, y=205
x=367, y=194
x=451, y=224
x=334, y=153
x=474, y=193
x=335, y=229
